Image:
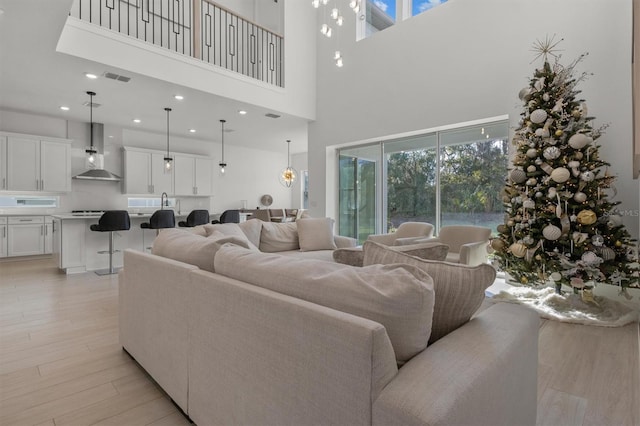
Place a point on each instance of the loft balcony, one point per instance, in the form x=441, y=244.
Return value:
x=199, y=29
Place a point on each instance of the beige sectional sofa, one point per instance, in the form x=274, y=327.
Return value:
x=263, y=340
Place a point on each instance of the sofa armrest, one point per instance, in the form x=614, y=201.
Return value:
x=344, y=242
x=483, y=373
x=473, y=254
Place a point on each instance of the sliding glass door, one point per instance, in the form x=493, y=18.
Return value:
x=452, y=177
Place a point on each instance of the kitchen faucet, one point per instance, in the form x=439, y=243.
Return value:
x=164, y=200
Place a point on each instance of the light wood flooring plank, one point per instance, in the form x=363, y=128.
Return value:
x=559, y=408
x=175, y=419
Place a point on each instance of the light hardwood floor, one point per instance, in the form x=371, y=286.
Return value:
x=61, y=363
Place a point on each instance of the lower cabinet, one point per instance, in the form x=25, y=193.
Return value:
x=3, y=237
x=26, y=236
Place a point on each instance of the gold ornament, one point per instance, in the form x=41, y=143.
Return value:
x=498, y=244
x=518, y=250
x=524, y=280
x=559, y=132
x=618, y=243
x=502, y=228
x=587, y=296
x=587, y=217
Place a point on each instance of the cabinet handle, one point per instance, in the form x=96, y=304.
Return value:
x=41, y=229
x=37, y=184
x=42, y=185
x=4, y=183
x=25, y=220
x=4, y=232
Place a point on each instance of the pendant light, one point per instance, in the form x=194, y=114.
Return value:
x=222, y=164
x=168, y=160
x=91, y=151
x=288, y=176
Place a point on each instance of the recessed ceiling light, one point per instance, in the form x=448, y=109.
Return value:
x=179, y=97
x=136, y=120
x=90, y=76
x=64, y=108
x=192, y=130
x=242, y=112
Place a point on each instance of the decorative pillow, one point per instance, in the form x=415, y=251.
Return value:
x=276, y=237
x=198, y=230
x=252, y=229
x=429, y=251
x=459, y=289
x=187, y=247
x=353, y=256
x=231, y=230
x=400, y=297
x=316, y=234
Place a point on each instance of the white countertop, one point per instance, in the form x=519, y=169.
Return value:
x=67, y=216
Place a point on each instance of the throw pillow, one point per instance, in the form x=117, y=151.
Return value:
x=231, y=230
x=430, y=251
x=316, y=234
x=459, y=289
x=276, y=237
x=353, y=256
x=400, y=297
x=187, y=247
x=252, y=229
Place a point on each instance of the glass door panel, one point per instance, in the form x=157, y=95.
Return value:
x=473, y=162
x=358, y=200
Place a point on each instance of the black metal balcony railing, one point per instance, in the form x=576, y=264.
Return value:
x=197, y=28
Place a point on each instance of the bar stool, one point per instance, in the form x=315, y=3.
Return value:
x=160, y=219
x=111, y=221
x=195, y=218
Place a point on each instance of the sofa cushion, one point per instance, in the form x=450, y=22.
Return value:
x=230, y=230
x=316, y=234
x=276, y=237
x=194, y=249
x=459, y=289
x=400, y=297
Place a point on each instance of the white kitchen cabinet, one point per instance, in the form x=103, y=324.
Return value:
x=193, y=175
x=25, y=235
x=48, y=235
x=71, y=245
x=3, y=162
x=3, y=237
x=144, y=173
x=36, y=164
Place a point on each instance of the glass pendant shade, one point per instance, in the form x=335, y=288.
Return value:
x=222, y=163
x=91, y=150
x=168, y=160
x=288, y=175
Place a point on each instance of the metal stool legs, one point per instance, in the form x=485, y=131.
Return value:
x=111, y=269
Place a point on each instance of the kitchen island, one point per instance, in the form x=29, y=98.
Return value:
x=76, y=247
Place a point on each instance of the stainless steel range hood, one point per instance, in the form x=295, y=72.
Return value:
x=98, y=172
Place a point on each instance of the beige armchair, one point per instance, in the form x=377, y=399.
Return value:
x=467, y=244
x=407, y=233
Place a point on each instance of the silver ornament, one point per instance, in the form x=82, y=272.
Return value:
x=579, y=141
x=551, y=232
x=518, y=175
x=580, y=197
x=531, y=168
x=546, y=97
x=597, y=240
x=607, y=253
x=538, y=116
x=532, y=181
x=560, y=175
x=551, y=153
x=532, y=153
x=587, y=176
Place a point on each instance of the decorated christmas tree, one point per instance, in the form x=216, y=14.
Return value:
x=560, y=224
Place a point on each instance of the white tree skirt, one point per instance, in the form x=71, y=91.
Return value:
x=569, y=307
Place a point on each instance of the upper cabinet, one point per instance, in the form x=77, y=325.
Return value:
x=144, y=173
x=193, y=175
x=31, y=163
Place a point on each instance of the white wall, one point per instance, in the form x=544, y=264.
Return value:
x=250, y=173
x=467, y=60
x=300, y=163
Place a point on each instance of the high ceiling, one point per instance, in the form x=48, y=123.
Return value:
x=34, y=78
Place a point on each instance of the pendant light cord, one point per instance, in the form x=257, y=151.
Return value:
x=222, y=123
x=168, y=110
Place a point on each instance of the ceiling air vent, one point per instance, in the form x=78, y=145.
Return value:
x=271, y=115
x=114, y=76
